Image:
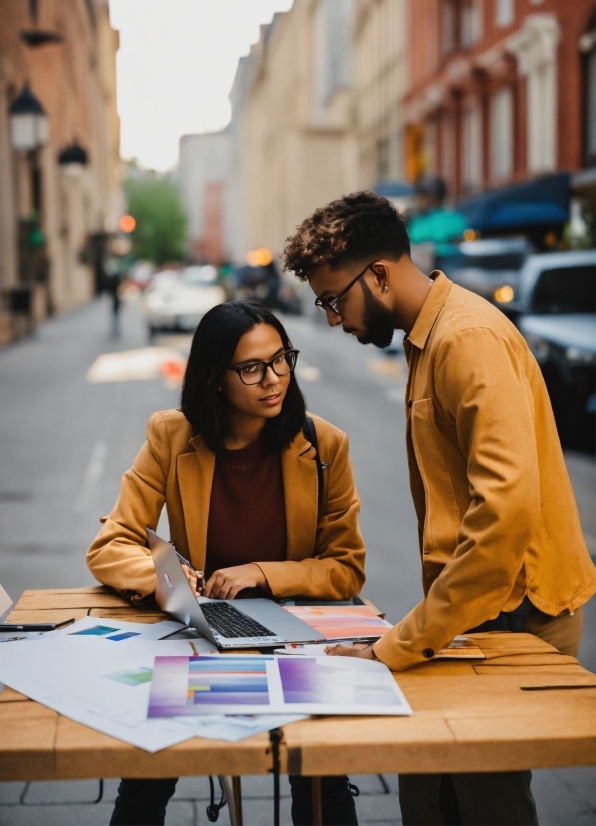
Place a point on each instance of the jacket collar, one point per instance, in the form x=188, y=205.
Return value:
x=431, y=308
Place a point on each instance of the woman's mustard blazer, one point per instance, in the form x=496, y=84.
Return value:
x=325, y=555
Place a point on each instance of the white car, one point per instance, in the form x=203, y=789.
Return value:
x=178, y=300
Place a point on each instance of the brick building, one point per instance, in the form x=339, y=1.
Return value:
x=500, y=91
x=60, y=195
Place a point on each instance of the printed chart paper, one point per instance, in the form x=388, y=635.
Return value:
x=341, y=622
x=118, y=630
x=227, y=684
x=106, y=687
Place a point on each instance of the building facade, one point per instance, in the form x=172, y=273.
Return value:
x=60, y=197
x=500, y=91
x=204, y=177
x=294, y=145
x=380, y=83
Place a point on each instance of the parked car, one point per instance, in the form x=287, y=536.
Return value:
x=555, y=311
x=265, y=284
x=178, y=300
x=488, y=267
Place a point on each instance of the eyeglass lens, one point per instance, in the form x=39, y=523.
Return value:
x=254, y=373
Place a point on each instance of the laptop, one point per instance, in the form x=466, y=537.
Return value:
x=244, y=623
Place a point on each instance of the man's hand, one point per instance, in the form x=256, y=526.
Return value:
x=228, y=582
x=364, y=652
x=193, y=580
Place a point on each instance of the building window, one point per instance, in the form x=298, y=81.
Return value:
x=501, y=134
x=461, y=24
x=505, y=12
x=590, y=105
x=448, y=157
x=334, y=23
x=472, y=147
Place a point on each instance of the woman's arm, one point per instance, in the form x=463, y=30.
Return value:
x=119, y=557
x=336, y=569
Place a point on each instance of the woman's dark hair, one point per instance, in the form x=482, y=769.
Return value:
x=211, y=353
x=355, y=229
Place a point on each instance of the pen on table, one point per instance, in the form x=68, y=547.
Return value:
x=198, y=574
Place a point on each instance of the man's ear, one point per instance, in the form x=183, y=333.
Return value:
x=380, y=270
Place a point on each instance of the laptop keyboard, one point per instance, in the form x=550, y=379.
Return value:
x=228, y=622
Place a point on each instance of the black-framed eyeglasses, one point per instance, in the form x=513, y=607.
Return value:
x=253, y=372
x=331, y=303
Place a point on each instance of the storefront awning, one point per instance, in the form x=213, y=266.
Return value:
x=541, y=202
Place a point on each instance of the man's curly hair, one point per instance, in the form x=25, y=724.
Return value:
x=351, y=229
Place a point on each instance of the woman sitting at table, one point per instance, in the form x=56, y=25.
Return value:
x=239, y=480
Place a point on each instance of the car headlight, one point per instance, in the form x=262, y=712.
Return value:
x=504, y=294
x=539, y=347
x=579, y=356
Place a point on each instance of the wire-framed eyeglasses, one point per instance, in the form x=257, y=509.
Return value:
x=331, y=303
x=254, y=372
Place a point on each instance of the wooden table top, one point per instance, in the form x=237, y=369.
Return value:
x=525, y=706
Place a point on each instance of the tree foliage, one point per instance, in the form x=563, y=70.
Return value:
x=156, y=206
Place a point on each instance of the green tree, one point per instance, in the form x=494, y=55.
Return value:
x=156, y=206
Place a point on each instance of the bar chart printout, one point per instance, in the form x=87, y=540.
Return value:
x=227, y=684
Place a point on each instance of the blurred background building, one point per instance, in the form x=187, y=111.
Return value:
x=495, y=99
x=59, y=155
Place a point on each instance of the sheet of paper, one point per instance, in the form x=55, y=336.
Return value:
x=339, y=622
x=118, y=630
x=308, y=649
x=107, y=688
x=5, y=601
x=302, y=685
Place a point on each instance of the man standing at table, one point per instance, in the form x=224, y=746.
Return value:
x=500, y=538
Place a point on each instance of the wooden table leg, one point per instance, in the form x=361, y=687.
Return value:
x=237, y=790
x=317, y=807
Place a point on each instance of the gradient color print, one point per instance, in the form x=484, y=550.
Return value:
x=190, y=685
x=341, y=622
x=306, y=680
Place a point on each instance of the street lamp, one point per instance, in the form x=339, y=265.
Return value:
x=73, y=159
x=29, y=126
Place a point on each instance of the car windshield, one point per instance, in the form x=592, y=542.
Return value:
x=566, y=290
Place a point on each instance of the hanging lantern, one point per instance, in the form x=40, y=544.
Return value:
x=29, y=125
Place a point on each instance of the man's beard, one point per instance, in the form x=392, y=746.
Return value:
x=377, y=320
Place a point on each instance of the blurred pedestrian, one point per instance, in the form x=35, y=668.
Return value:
x=501, y=541
x=113, y=279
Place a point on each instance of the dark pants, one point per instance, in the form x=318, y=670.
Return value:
x=491, y=798
x=143, y=802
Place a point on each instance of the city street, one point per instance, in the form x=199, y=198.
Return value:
x=65, y=442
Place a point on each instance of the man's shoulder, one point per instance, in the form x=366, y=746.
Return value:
x=466, y=311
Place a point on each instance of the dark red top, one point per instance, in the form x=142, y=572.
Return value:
x=247, y=518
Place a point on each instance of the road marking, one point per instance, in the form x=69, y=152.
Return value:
x=308, y=373
x=93, y=474
x=386, y=367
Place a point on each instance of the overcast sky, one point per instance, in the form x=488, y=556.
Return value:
x=176, y=65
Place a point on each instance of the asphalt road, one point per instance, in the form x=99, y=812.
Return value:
x=65, y=442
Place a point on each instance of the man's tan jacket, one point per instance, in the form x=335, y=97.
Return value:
x=496, y=513
x=325, y=555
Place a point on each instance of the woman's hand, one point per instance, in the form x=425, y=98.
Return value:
x=228, y=582
x=340, y=650
x=193, y=580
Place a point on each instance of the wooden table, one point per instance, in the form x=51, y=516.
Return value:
x=526, y=706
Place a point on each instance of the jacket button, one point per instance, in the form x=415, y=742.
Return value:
x=428, y=653
x=410, y=403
